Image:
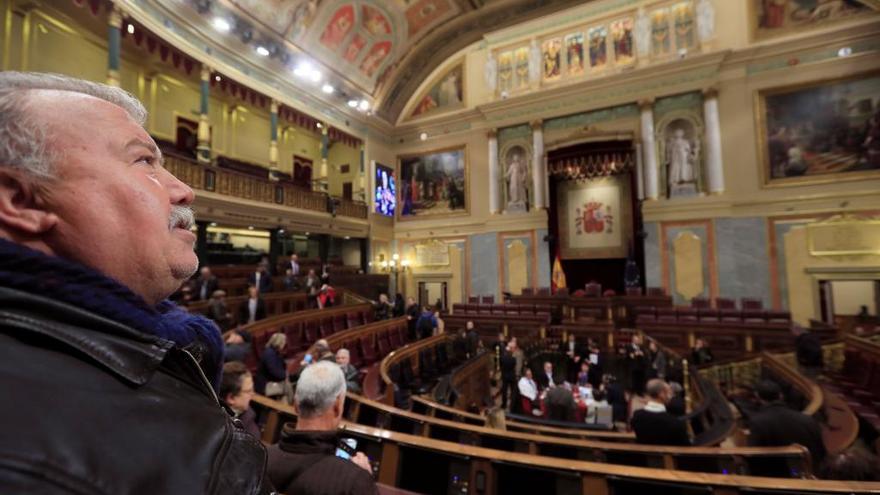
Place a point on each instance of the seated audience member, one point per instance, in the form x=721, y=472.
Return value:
x=218, y=311
x=808, y=350
x=238, y=345
x=322, y=351
x=205, y=284
x=412, y=317
x=236, y=390
x=583, y=376
x=305, y=460
x=701, y=353
x=528, y=389
x=616, y=397
x=253, y=309
x=94, y=237
x=291, y=283
x=426, y=323
x=853, y=464
x=272, y=371
x=653, y=425
x=496, y=419
x=775, y=424
x=560, y=403
x=547, y=379
x=343, y=359
x=676, y=405
x=383, y=309
x=261, y=279
x=326, y=296
x=598, y=409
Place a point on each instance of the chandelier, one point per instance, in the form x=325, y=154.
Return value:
x=586, y=167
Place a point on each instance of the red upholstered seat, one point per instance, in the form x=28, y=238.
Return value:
x=708, y=314
x=394, y=339
x=666, y=314
x=293, y=331
x=383, y=345
x=366, y=316
x=542, y=309
x=367, y=351
x=527, y=291
x=311, y=331
x=730, y=315
x=498, y=309
x=751, y=304
x=592, y=289
x=511, y=309
x=354, y=351
x=402, y=333
x=700, y=302
x=778, y=316
x=474, y=299
x=339, y=323
x=458, y=308
x=484, y=309
x=656, y=291
x=685, y=313
x=725, y=303
x=489, y=299
x=754, y=316
x=353, y=320
x=634, y=291
x=544, y=291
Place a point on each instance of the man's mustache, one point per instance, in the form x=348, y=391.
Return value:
x=181, y=217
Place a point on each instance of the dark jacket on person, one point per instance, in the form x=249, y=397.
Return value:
x=272, y=369
x=659, y=428
x=473, y=341
x=507, y=363
x=244, y=311
x=701, y=356
x=616, y=397
x=209, y=285
x=265, y=281
x=104, y=393
x=305, y=462
x=808, y=350
x=560, y=404
x=239, y=352
x=543, y=380
x=776, y=424
x=352, y=378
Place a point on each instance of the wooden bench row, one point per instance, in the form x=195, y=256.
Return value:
x=859, y=380
x=444, y=455
x=690, y=314
x=277, y=303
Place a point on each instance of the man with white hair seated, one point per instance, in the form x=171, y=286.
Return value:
x=343, y=359
x=110, y=387
x=311, y=457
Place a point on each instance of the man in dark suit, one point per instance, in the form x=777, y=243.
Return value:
x=205, y=285
x=546, y=378
x=472, y=337
x=775, y=424
x=574, y=354
x=293, y=265
x=508, y=376
x=253, y=309
x=653, y=425
x=560, y=403
x=638, y=364
x=261, y=278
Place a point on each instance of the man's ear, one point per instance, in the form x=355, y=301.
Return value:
x=21, y=206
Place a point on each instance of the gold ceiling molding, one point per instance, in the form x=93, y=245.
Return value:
x=844, y=235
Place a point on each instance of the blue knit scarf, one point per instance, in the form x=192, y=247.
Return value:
x=27, y=270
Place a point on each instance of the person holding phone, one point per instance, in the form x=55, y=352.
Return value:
x=311, y=457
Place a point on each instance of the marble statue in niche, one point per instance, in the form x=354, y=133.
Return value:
x=517, y=177
x=682, y=158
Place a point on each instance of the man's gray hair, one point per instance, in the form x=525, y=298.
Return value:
x=24, y=142
x=318, y=387
x=655, y=388
x=343, y=352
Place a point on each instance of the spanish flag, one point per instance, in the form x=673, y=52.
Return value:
x=557, y=280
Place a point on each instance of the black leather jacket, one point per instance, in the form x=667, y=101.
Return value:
x=94, y=407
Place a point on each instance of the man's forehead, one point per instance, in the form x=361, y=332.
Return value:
x=86, y=112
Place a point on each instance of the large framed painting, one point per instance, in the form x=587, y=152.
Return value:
x=433, y=184
x=820, y=132
x=595, y=218
x=770, y=18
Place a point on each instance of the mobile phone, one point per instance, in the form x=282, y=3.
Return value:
x=346, y=448
x=308, y=359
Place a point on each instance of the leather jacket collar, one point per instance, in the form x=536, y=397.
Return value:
x=128, y=353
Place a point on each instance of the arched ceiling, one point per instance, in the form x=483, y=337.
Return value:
x=381, y=48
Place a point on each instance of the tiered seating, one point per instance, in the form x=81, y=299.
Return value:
x=414, y=368
x=728, y=313
x=277, y=303
x=859, y=380
x=502, y=309
x=305, y=327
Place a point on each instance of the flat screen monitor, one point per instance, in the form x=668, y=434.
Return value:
x=385, y=197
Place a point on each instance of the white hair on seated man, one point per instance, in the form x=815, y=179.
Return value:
x=24, y=142
x=320, y=387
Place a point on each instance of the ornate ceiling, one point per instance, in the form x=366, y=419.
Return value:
x=381, y=48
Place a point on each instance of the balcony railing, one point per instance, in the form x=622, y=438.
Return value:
x=239, y=185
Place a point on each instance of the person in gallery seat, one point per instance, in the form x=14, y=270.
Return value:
x=305, y=460
x=218, y=311
x=261, y=278
x=547, y=379
x=701, y=353
x=95, y=363
x=253, y=309
x=776, y=424
x=352, y=375
x=808, y=350
x=528, y=390
x=205, y=284
x=653, y=425
x=236, y=391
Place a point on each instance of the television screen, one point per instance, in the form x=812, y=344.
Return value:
x=386, y=192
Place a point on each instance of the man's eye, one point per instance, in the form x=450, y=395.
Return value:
x=148, y=160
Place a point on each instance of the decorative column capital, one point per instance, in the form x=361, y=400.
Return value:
x=115, y=17
x=324, y=128
x=537, y=125
x=492, y=133
x=205, y=72
x=273, y=106
x=646, y=104
x=710, y=92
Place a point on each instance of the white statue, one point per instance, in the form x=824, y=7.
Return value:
x=490, y=72
x=643, y=33
x=705, y=20
x=681, y=156
x=517, y=174
x=534, y=62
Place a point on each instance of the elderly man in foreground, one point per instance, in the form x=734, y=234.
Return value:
x=107, y=387
x=311, y=458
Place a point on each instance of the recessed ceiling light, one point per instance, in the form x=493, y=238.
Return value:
x=844, y=52
x=364, y=105
x=262, y=51
x=423, y=136
x=217, y=78
x=250, y=227
x=348, y=237
x=353, y=103
x=307, y=233
x=213, y=224
x=130, y=29
x=302, y=69
x=319, y=125
x=222, y=25
x=326, y=88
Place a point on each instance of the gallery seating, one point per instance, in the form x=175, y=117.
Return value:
x=277, y=303
x=859, y=380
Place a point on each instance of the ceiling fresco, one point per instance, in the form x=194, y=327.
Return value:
x=382, y=48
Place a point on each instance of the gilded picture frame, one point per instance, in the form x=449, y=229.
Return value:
x=409, y=209
x=801, y=135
